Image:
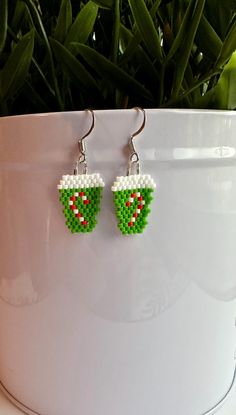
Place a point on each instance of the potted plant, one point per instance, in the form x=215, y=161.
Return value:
x=105, y=323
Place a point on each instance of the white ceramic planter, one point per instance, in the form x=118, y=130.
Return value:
x=98, y=324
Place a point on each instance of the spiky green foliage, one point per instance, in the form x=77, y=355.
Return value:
x=68, y=55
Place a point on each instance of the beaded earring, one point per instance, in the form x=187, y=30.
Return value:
x=80, y=193
x=133, y=192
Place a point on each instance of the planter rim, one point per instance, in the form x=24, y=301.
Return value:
x=180, y=111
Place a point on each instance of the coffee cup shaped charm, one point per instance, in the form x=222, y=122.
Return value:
x=132, y=197
x=81, y=195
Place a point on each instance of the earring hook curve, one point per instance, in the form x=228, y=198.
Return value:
x=143, y=123
x=134, y=157
x=91, y=128
x=82, y=149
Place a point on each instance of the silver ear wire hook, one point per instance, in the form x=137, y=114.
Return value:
x=82, y=149
x=134, y=157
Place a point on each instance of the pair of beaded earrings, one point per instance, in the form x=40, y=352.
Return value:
x=80, y=193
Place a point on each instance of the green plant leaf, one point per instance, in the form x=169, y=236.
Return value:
x=105, y=4
x=83, y=24
x=34, y=12
x=185, y=51
x=64, y=21
x=225, y=90
x=41, y=74
x=74, y=68
x=3, y=22
x=211, y=48
x=115, y=31
x=206, y=78
x=34, y=61
x=143, y=60
x=112, y=72
x=18, y=16
x=177, y=12
x=146, y=28
x=219, y=14
x=181, y=35
x=16, y=68
x=136, y=37
x=229, y=45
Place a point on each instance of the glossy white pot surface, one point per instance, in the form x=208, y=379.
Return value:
x=101, y=323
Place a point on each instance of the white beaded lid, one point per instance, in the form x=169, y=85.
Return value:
x=134, y=181
x=80, y=181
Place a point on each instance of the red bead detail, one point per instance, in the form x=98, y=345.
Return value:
x=135, y=215
x=130, y=223
x=128, y=204
x=133, y=195
x=84, y=222
x=78, y=215
x=140, y=198
x=73, y=198
x=140, y=206
x=81, y=194
x=86, y=202
x=73, y=207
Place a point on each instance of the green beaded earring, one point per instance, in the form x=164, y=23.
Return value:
x=133, y=192
x=80, y=193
